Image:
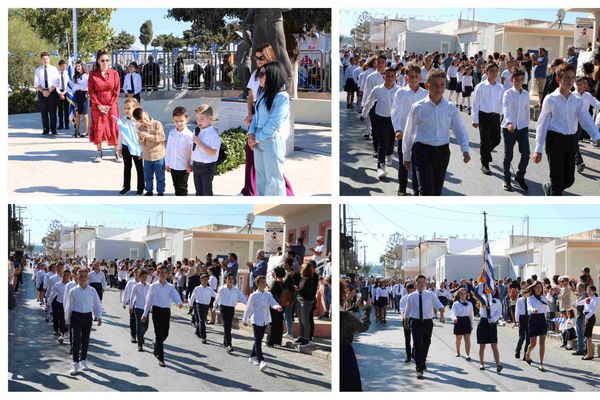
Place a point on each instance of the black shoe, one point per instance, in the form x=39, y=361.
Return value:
x=123, y=192
x=54, y=133
x=60, y=128
x=133, y=339
x=401, y=192
x=160, y=194
x=517, y=354
x=507, y=187
x=580, y=167
x=67, y=127
x=420, y=375
x=522, y=184
x=140, y=348
x=499, y=368
x=149, y=194
x=45, y=132
x=578, y=353
x=375, y=155
x=485, y=169
x=161, y=363
x=204, y=341
x=140, y=193
x=298, y=341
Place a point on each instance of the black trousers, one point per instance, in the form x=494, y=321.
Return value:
x=403, y=173
x=201, y=311
x=259, y=334
x=561, y=150
x=421, y=334
x=203, y=178
x=98, y=287
x=81, y=324
x=132, y=325
x=523, y=333
x=161, y=318
x=128, y=160
x=489, y=134
x=276, y=331
x=430, y=163
x=58, y=317
x=48, y=106
x=385, y=139
x=63, y=113
x=227, y=314
x=407, y=342
x=180, y=181
x=140, y=327
x=373, y=119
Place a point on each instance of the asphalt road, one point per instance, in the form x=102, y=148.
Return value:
x=358, y=168
x=36, y=362
x=381, y=354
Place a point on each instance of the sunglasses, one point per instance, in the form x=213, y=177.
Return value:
x=103, y=60
x=260, y=58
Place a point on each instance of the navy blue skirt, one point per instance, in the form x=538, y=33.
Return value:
x=383, y=301
x=463, y=326
x=486, y=332
x=537, y=325
x=452, y=84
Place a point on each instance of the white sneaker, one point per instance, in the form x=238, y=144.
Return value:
x=61, y=339
x=117, y=158
x=84, y=365
x=253, y=360
x=74, y=369
x=381, y=173
x=98, y=158
x=262, y=366
x=388, y=161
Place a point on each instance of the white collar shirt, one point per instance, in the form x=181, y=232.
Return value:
x=210, y=137
x=81, y=83
x=375, y=78
x=202, y=295
x=139, y=292
x=137, y=83
x=495, y=311
x=179, y=149
x=487, y=98
x=161, y=296
x=82, y=300
x=127, y=292
x=61, y=82
x=535, y=306
x=382, y=98
x=229, y=297
x=97, y=277
x=57, y=292
x=429, y=302
x=521, y=308
x=460, y=309
x=38, y=80
x=515, y=108
x=258, y=308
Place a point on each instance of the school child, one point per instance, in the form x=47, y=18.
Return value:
x=56, y=298
x=590, y=304
x=515, y=128
x=459, y=75
x=505, y=76
x=557, y=128
x=584, y=85
x=367, y=69
x=463, y=317
x=350, y=83
x=466, y=84
x=226, y=300
x=452, y=79
x=61, y=83
x=179, y=152
x=39, y=283
x=407, y=335
x=137, y=303
x=152, y=138
x=205, y=151
x=487, y=331
x=537, y=307
x=373, y=79
x=257, y=311
x=70, y=285
x=126, y=302
x=129, y=148
x=522, y=320
x=567, y=329
x=200, y=301
x=132, y=83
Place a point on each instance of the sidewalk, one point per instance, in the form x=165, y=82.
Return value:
x=62, y=165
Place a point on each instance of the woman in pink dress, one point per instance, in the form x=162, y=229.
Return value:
x=103, y=89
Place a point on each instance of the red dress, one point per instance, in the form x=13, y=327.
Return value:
x=104, y=91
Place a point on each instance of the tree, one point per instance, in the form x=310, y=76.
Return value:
x=56, y=26
x=146, y=34
x=390, y=257
x=361, y=30
x=170, y=42
x=51, y=241
x=123, y=41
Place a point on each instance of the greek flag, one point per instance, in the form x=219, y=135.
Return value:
x=485, y=283
x=130, y=137
x=71, y=94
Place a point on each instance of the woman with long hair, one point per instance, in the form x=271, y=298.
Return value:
x=80, y=88
x=487, y=330
x=104, y=88
x=307, y=290
x=537, y=307
x=590, y=304
x=463, y=317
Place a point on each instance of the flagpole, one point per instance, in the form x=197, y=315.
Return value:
x=75, y=51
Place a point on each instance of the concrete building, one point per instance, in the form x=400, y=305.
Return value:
x=74, y=240
x=383, y=33
x=421, y=42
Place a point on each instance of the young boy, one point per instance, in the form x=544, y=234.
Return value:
x=179, y=152
x=205, y=151
x=403, y=101
x=200, y=301
x=584, y=84
x=409, y=354
x=126, y=302
x=426, y=136
x=375, y=78
x=515, y=127
x=152, y=138
x=129, y=147
x=132, y=83
x=226, y=300
x=137, y=302
x=381, y=98
x=257, y=310
x=487, y=107
x=350, y=82
x=61, y=84
x=57, y=296
x=562, y=110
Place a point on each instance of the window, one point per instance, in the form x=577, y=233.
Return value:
x=303, y=233
x=291, y=236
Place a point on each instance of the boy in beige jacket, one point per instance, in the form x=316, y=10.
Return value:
x=152, y=138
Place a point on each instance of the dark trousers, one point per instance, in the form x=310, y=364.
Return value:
x=430, y=163
x=259, y=333
x=489, y=134
x=580, y=134
x=48, y=107
x=180, y=181
x=403, y=173
x=98, y=287
x=373, y=118
x=521, y=137
x=201, y=311
x=276, y=331
x=161, y=318
x=63, y=113
x=561, y=150
x=227, y=314
x=128, y=160
x=81, y=323
x=385, y=139
x=132, y=325
x=523, y=333
x=140, y=327
x=421, y=335
x=249, y=174
x=58, y=317
x=407, y=342
x=203, y=178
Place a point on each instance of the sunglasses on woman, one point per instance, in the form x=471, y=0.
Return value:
x=260, y=58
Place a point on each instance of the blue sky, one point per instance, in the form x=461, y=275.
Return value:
x=130, y=20
x=379, y=221
x=349, y=15
x=39, y=216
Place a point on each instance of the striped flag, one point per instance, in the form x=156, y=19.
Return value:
x=130, y=137
x=70, y=93
x=485, y=283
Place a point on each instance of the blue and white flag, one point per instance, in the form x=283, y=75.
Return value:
x=130, y=137
x=486, y=282
x=71, y=93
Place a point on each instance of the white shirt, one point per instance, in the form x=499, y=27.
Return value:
x=139, y=292
x=349, y=73
x=443, y=293
x=320, y=248
x=58, y=84
x=257, y=308
x=515, y=108
x=589, y=308
x=97, y=277
x=506, y=74
x=495, y=311
x=521, y=308
x=81, y=83
x=381, y=292
x=213, y=282
x=588, y=100
x=430, y=124
x=462, y=310
x=38, y=79
x=400, y=80
x=127, y=293
x=424, y=72
x=356, y=74
x=384, y=98
x=398, y=288
x=47, y=281
x=535, y=306
x=39, y=278
x=57, y=292
x=374, y=79
x=429, y=302
x=160, y=295
x=452, y=71
x=229, y=297
x=402, y=304
x=68, y=288
x=202, y=295
x=562, y=114
x=487, y=98
x=122, y=275
x=82, y=300
x=362, y=78
x=210, y=137
x=466, y=81
x=137, y=83
x=51, y=282
x=179, y=147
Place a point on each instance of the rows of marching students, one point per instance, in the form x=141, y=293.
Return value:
x=538, y=307
x=71, y=293
x=400, y=99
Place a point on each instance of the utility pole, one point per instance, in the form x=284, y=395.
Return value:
x=420, y=239
x=364, y=247
x=75, y=240
x=527, y=253
x=344, y=260
x=353, y=221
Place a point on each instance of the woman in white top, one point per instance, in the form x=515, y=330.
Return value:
x=590, y=304
x=537, y=307
x=443, y=294
x=80, y=88
x=462, y=316
x=487, y=331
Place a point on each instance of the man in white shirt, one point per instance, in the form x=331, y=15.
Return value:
x=61, y=83
x=45, y=76
x=179, y=152
x=319, y=251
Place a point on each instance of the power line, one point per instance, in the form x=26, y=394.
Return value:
x=515, y=217
x=389, y=220
x=176, y=213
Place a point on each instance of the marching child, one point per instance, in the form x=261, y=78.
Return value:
x=200, y=301
x=137, y=302
x=205, y=151
x=152, y=138
x=350, y=82
x=467, y=89
x=179, y=152
x=584, y=84
x=226, y=300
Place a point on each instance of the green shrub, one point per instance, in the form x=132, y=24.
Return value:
x=233, y=142
x=22, y=102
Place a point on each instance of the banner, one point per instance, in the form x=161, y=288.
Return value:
x=584, y=33
x=273, y=237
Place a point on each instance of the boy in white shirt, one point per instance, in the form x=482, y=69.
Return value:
x=205, y=151
x=132, y=83
x=62, y=85
x=178, y=152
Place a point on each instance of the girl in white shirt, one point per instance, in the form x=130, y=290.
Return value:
x=567, y=328
x=122, y=277
x=487, y=331
x=462, y=316
x=537, y=307
x=443, y=294
x=80, y=90
x=467, y=88
x=590, y=305
x=350, y=85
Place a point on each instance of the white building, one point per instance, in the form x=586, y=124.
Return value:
x=74, y=240
x=384, y=32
